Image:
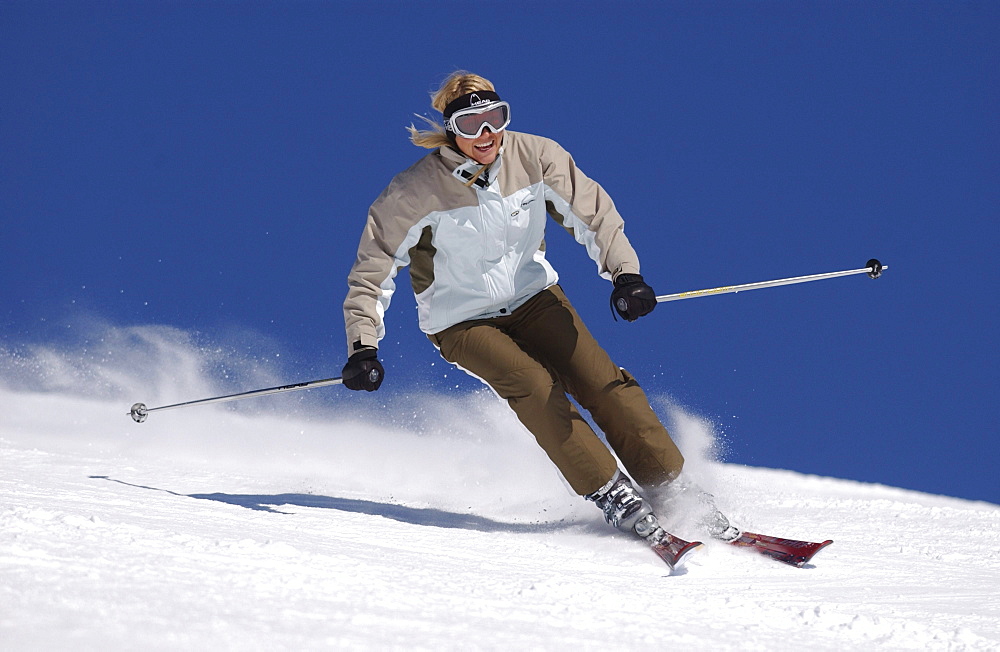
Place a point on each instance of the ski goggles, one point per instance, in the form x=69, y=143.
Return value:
x=486, y=110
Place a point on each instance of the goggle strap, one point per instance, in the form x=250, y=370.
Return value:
x=468, y=101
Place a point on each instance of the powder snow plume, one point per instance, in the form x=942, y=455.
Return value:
x=463, y=450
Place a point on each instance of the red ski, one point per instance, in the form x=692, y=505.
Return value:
x=788, y=551
x=671, y=549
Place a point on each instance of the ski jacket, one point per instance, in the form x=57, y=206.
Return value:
x=476, y=248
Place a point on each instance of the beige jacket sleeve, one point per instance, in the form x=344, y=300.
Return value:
x=586, y=210
x=371, y=282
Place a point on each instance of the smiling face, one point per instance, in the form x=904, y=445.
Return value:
x=482, y=150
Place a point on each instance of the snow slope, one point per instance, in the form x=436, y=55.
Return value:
x=286, y=528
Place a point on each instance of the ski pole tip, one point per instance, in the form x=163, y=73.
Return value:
x=875, y=268
x=139, y=412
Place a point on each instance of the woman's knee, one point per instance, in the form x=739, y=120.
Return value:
x=525, y=383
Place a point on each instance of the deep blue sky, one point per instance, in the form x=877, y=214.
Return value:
x=209, y=165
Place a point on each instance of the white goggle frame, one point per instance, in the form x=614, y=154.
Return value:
x=456, y=118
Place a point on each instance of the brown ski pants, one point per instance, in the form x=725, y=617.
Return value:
x=540, y=353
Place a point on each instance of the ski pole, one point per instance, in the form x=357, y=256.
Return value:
x=139, y=411
x=873, y=269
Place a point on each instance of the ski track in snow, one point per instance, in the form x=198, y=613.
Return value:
x=212, y=529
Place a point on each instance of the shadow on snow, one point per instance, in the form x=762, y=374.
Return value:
x=402, y=513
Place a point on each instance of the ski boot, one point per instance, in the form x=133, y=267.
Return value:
x=624, y=508
x=688, y=496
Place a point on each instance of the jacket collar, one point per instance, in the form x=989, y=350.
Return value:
x=464, y=168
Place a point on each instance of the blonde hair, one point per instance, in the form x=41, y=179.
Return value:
x=456, y=85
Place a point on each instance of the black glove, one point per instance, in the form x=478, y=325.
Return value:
x=363, y=371
x=632, y=298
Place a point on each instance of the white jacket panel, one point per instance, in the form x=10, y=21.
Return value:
x=477, y=251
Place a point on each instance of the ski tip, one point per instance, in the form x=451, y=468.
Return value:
x=823, y=545
x=682, y=557
x=805, y=560
x=820, y=546
x=788, y=551
x=675, y=557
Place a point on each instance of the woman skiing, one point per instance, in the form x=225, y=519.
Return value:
x=469, y=219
